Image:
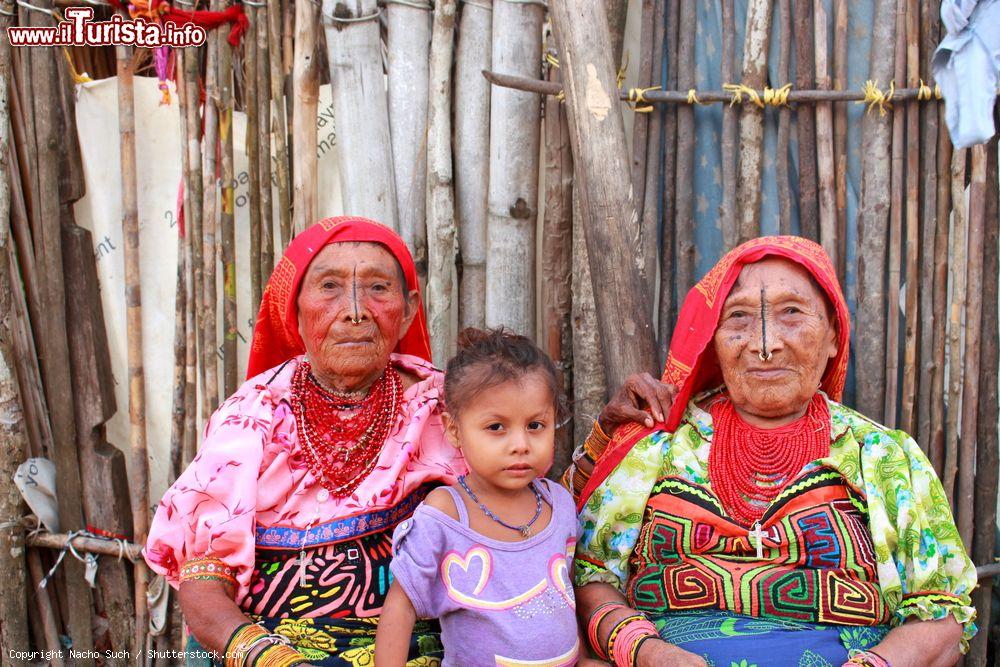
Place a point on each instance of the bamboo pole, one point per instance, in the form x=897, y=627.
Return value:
x=654, y=159
x=90, y=545
x=13, y=434
x=806, y=49
x=472, y=142
x=913, y=316
x=973, y=336
x=279, y=129
x=667, y=305
x=640, y=121
x=409, y=39
x=872, y=219
x=937, y=424
x=840, y=133
x=557, y=259
x=895, y=227
x=758, y=31
x=929, y=316
x=597, y=133
x=51, y=331
x=730, y=131
x=684, y=188
x=984, y=535
x=180, y=369
x=305, y=103
x=210, y=225
x=46, y=608
x=825, y=168
x=513, y=185
x=252, y=142
x=230, y=371
x=194, y=189
x=782, y=160
x=957, y=270
x=354, y=54
x=440, y=196
x=139, y=480
x=263, y=73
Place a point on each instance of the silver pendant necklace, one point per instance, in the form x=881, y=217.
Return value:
x=525, y=530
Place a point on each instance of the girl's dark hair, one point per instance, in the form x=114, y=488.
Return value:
x=489, y=357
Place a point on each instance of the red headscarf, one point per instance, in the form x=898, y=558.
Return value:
x=691, y=363
x=276, y=335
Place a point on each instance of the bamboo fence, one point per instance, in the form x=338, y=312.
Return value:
x=475, y=146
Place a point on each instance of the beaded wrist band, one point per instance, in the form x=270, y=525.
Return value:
x=619, y=627
x=627, y=637
x=242, y=640
x=212, y=569
x=599, y=615
x=868, y=658
x=596, y=442
x=279, y=655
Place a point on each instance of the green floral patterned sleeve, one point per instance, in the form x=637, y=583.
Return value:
x=923, y=569
x=611, y=519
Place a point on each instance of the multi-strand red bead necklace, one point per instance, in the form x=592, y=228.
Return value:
x=748, y=466
x=342, y=436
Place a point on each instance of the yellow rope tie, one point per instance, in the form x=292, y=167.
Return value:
x=693, y=97
x=874, y=96
x=561, y=96
x=620, y=77
x=924, y=92
x=777, y=97
x=552, y=60
x=637, y=96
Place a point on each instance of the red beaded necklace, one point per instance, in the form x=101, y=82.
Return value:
x=341, y=440
x=748, y=466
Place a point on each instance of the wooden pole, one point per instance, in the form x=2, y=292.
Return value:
x=13, y=434
x=782, y=160
x=597, y=134
x=354, y=52
x=230, y=371
x=180, y=357
x=654, y=177
x=50, y=332
x=194, y=189
x=408, y=44
x=250, y=69
x=840, y=132
x=472, y=142
x=90, y=545
x=730, y=130
x=557, y=259
x=139, y=481
x=937, y=425
x=973, y=334
x=895, y=227
x=958, y=271
x=513, y=186
x=640, y=121
x=758, y=31
x=872, y=223
x=617, y=13
x=279, y=128
x=913, y=315
x=440, y=196
x=827, y=196
x=929, y=316
x=210, y=224
x=684, y=199
x=805, y=78
x=263, y=73
x=667, y=306
x=305, y=105
x=984, y=536
x=46, y=608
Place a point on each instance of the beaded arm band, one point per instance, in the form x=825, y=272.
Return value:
x=249, y=636
x=593, y=625
x=210, y=569
x=626, y=638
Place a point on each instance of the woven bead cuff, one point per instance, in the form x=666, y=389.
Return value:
x=868, y=659
x=243, y=639
x=596, y=442
x=624, y=642
x=279, y=655
x=594, y=623
x=211, y=569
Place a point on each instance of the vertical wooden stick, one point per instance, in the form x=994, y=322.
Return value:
x=439, y=195
x=180, y=377
x=730, y=130
x=252, y=143
x=194, y=189
x=640, y=121
x=409, y=37
x=941, y=246
x=973, y=332
x=667, y=306
x=805, y=78
x=827, y=195
x=513, y=186
x=472, y=142
x=45, y=607
x=210, y=223
x=872, y=223
x=652, y=206
x=895, y=227
x=230, y=372
x=957, y=270
x=139, y=481
x=590, y=385
x=840, y=133
x=264, y=147
x=305, y=104
x=784, y=120
x=279, y=128
x=684, y=199
x=755, y=47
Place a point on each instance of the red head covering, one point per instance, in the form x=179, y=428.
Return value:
x=691, y=362
x=276, y=334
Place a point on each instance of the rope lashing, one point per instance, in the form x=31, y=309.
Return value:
x=874, y=96
x=637, y=96
x=357, y=19
x=693, y=97
x=924, y=92
x=775, y=97
x=552, y=60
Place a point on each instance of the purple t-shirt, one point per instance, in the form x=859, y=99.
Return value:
x=500, y=603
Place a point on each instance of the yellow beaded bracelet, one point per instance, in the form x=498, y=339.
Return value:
x=279, y=655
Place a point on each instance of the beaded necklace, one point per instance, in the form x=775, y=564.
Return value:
x=341, y=441
x=748, y=466
x=525, y=530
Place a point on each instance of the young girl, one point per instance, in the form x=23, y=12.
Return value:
x=491, y=557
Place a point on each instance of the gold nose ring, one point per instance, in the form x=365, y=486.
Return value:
x=764, y=356
x=354, y=321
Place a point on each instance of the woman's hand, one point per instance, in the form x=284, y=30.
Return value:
x=642, y=399
x=656, y=652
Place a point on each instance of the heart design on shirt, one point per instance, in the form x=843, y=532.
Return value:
x=464, y=562
x=559, y=574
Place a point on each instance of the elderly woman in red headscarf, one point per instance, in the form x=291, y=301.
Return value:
x=760, y=521
x=278, y=535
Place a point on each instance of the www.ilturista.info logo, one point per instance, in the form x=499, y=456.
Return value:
x=79, y=29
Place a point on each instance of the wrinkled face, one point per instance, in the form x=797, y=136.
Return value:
x=353, y=309
x=775, y=310
x=507, y=432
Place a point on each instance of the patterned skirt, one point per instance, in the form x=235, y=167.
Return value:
x=725, y=639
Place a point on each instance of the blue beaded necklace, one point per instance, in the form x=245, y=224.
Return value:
x=525, y=530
